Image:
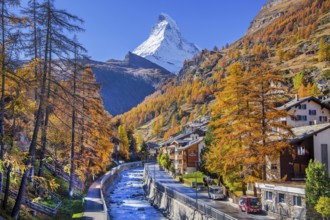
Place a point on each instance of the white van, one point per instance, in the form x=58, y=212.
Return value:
x=216, y=192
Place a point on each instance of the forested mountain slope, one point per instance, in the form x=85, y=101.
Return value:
x=289, y=36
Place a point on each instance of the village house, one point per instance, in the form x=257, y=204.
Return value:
x=184, y=149
x=306, y=111
x=284, y=193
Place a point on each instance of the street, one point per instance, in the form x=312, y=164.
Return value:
x=202, y=196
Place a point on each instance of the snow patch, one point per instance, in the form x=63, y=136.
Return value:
x=166, y=46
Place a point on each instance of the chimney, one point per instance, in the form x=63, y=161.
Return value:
x=297, y=97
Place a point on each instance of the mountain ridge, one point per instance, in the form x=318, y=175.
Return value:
x=126, y=83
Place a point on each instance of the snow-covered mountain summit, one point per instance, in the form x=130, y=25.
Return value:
x=166, y=46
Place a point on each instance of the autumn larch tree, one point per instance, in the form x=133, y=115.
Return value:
x=56, y=22
x=8, y=42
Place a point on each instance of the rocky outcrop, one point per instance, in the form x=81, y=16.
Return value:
x=272, y=10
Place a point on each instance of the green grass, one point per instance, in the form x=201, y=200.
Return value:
x=192, y=179
x=49, y=202
x=70, y=209
x=193, y=175
x=78, y=215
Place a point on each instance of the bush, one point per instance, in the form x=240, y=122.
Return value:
x=317, y=182
x=193, y=175
x=323, y=206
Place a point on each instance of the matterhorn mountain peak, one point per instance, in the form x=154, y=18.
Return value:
x=166, y=46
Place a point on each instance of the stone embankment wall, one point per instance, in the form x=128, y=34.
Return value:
x=109, y=179
x=175, y=205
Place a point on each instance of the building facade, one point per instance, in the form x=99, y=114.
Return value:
x=306, y=111
x=284, y=194
x=184, y=149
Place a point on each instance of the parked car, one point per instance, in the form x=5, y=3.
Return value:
x=249, y=204
x=216, y=192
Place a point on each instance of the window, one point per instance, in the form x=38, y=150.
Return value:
x=301, y=150
x=301, y=117
x=269, y=195
x=312, y=112
x=281, y=197
x=273, y=166
x=311, y=123
x=323, y=118
x=297, y=200
x=302, y=106
x=324, y=155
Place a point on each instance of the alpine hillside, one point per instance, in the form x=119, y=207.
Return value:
x=125, y=83
x=289, y=37
x=166, y=46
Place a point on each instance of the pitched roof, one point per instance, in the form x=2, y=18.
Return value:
x=191, y=143
x=170, y=140
x=326, y=101
x=304, y=132
x=296, y=102
x=152, y=145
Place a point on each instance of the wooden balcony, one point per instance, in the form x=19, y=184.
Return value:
x=182, y=165
x=179, y=157
x=172, y=157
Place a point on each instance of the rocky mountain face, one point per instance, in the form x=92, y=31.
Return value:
x=269, y=12
x=125, y=83
x=166, y=46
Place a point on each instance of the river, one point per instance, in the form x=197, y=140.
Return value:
x=128, y=201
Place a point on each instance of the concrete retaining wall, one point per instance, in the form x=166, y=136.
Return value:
x=169, y=206
x=109, y=179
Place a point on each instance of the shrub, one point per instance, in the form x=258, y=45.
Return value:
x=323, y=206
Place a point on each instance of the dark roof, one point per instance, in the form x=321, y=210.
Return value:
x=303, y=132
x=181, y=141
x=191, y=143
x=180, y=136
x=296, y=102
x=152, y=145
x=326, y=101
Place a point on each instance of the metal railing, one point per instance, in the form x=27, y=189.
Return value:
x=39, y=207
x=201, y=207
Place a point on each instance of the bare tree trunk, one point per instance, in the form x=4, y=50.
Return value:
x=33, y=144
x=72, y=168
x=9, y=168
x=35, y=45
x=2, y=102
x=45, y=125
x=5, y=200
x=244, y=188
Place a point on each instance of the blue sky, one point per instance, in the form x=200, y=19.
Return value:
x=114, y=27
